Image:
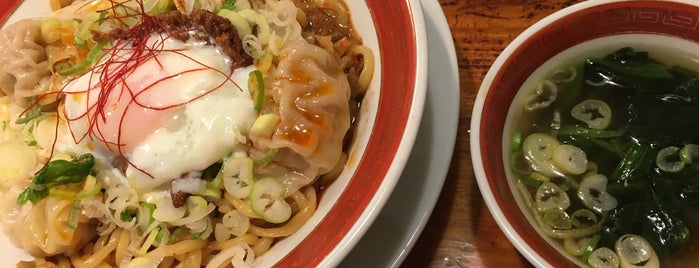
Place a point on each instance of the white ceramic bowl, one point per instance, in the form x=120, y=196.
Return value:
x=591, y=28
x=390, y=116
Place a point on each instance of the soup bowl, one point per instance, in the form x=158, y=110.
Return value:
x=668, y=30
x=381, y=143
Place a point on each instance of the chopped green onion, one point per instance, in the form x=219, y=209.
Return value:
x=635, y=250
x=576, y=245
x=31, y=143
x=177, y=232
x=535, y=179
x=570, y=159
x=73, y=216
x=519, y=165
x=516, y=141
x=603, y=257
x=213, y=184
x=538, y=149
x=668, y=159
x=30, y=115
x=267, y=158
x=237, y=175
x=145, y=215
x=532, y=182
x=228, y=4
x=592, y=191
x=160, y=235
x=148, y=242
x=102, y=17
x=79, y=41
x=211, y=194
x=196, y=236
x=90, y=188
x=557, y=219
x=256, y=83
x=689, y=153
x=267, y=200
x=92, y=57
x=591, y=246
x=550, y=196
x=563, y=75
x=583, y=218
x=595, y=113
x=265, y=125
x=126, y=216
x=541, y=96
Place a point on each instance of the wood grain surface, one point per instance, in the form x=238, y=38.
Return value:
x=461, y=231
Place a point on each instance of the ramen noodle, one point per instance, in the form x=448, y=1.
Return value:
x=186, y=133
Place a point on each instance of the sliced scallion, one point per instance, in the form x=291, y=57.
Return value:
x=595, y=113
x=516, y=141
x=689, y=153
x=570, y=159
x=592, y=191
x=582, y=218
x=563, y=75
x=576, y=246
x=237, y=175
x=669, y=160
x=92, y=57
x=532, y=182
x=29, y=115
x=267, y=200
x=256, y=83
x=549, y=196
x=73, y=216
x=542, y=96
x=603, y=257
x=267, y=158
x=535, y=179
x=635, y=251
x=591, y=246
x=557, y=219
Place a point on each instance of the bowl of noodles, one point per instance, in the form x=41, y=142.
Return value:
x=584, y=136
x=192, y=133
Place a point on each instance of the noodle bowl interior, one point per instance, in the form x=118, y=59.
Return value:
x=161, y=133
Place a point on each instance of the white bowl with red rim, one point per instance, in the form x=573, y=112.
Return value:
x=389, y=119
x=591, y=28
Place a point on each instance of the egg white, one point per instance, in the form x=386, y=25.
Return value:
x=211, y=125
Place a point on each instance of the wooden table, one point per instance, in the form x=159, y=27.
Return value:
x=461, y=231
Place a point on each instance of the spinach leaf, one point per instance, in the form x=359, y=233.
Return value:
x=664, y=119
x=649, y=217
x=637, y=162
x=662, y=227
x=629, y=62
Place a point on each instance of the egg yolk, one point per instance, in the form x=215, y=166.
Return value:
x=128, y=121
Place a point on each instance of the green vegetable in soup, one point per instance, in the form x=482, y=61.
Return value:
x=635, y=121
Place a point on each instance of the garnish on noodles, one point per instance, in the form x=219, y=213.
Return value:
x=159, y=133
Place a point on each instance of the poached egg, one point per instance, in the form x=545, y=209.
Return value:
x=176, y=111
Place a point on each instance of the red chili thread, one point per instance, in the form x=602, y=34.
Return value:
x=116, y=68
